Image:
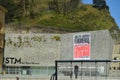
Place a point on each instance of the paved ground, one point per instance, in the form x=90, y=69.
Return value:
x=60, y=78
x=112, y=76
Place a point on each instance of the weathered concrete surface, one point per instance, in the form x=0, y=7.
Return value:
x=43, y=49
x=116, y=56
x=32, y=49
x=101, y=45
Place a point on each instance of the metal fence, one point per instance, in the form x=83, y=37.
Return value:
x=87, y=70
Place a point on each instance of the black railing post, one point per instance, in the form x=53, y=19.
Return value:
x=81, y=70
x=71, y=72
x=95, y=70
x=106, y=70
x=56, y=70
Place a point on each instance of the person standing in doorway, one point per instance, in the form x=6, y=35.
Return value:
x=76, y=71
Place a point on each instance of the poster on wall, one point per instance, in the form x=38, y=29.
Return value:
x=81, y=46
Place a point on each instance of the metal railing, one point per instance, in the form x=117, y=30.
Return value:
x=88, y=69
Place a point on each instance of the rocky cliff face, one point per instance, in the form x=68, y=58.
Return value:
x=2, y=19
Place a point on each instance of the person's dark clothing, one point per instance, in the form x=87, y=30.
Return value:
x=76, y=71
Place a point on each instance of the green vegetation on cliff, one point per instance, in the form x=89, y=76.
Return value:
x=66, y=15
x=83, y=19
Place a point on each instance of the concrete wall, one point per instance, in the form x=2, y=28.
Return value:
x=101, y=45
x=101, y=48
x=32, y=49
x=116, y=56
x=44, y=49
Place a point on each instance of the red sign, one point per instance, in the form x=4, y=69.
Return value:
x=81, y=46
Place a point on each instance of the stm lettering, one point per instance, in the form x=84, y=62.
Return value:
x=12, y=60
